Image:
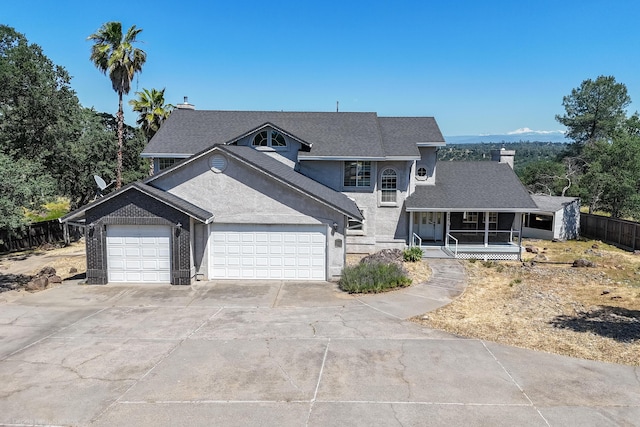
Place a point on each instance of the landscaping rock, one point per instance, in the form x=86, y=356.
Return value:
x=47, y=271
x=73, y=270
x=37, y=284
x=532, y=249
x=385, y=256
x=55, y=279
x=581, y=262
x=540, y=257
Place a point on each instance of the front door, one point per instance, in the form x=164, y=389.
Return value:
x=430, y=225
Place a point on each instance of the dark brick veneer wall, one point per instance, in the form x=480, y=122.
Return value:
x=136, y=208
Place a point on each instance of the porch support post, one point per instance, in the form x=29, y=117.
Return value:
x=410, y=229
x=486, y=229
x=520, y=237
x=447, y=229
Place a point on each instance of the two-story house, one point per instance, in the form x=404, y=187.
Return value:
x=286, y=195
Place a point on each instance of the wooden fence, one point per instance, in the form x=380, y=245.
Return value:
x=38, y=234
x=618, y=232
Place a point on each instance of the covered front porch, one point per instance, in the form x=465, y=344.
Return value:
x=487, y=235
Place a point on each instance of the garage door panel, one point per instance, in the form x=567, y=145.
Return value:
x=288, y=252
x=138, y=253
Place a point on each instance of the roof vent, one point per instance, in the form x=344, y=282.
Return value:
x=186, y=105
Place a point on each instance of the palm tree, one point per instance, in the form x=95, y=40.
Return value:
x=151, y=109
x=113, y=54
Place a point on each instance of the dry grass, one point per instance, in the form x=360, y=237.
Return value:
x=63, y=259
x=591, y=313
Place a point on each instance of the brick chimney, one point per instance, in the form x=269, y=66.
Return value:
x=503, y=156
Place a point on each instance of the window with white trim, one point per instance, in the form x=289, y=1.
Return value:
x=388, y=186
x=357, y=174
x=421, y=173
x=269, y=138
x=167, y=162
x=355, y=226
x=470, y=220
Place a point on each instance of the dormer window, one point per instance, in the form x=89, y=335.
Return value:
x=269, y=138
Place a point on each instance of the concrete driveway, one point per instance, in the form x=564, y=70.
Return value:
x=282, y=354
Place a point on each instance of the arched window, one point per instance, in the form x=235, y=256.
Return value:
x=269, y=138
x=388, y=186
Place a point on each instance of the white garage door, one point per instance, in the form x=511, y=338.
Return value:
x=138, y=253
x=286, y=252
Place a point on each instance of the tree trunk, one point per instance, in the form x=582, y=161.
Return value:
x=120, y=131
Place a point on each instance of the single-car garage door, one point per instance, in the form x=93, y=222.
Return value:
x=138, y=253
x=286, y=252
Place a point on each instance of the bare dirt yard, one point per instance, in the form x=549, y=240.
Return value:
x=547, y=304
x=18, y=268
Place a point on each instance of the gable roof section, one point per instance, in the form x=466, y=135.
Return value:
x=401, y=136
x=279, y=171
x=343, y=135
x=472, y=186
x=552, y=203
x=162, y=196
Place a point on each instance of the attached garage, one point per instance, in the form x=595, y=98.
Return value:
x=269, y=252
x=138, y=253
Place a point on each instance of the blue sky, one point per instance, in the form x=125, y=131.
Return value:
x=479, y=67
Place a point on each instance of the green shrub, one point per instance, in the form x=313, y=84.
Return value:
x=372, y=278
x=412, y=254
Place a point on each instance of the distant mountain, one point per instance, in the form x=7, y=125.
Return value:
x=524, y=134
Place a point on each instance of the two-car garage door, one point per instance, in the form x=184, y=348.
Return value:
x=236, y=251
x=282, y=252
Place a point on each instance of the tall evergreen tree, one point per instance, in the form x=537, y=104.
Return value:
x=595, y=110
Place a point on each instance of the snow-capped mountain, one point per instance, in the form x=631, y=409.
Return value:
x=522, y=134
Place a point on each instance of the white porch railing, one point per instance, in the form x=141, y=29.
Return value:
x=487, y=235
x=413, y=240
x=449, y=236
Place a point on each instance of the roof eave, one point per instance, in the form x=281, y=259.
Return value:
x=471, y=209
x=431, y=144
x=341, y=158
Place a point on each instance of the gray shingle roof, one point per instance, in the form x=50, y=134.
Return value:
x=552, y=203
x=168, y=198
x=473, y=186
x=345, y=134
x=400, y=134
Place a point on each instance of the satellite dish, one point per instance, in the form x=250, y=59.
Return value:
x=101, y=183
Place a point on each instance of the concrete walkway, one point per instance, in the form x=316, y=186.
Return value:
x=281, y=354
x=445, y=284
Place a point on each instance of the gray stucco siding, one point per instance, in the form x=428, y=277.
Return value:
x=135, y=208
x=243, y=195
